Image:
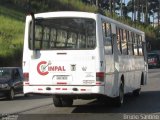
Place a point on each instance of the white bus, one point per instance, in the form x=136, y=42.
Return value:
x=80, y=55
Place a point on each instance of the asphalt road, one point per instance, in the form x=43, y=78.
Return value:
x=147, y=105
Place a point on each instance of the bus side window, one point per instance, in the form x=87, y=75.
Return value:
x=140, y=46
x=119, y=38
x=135, y=44
x=107, y=37
x=130, y=46
x=124, y=42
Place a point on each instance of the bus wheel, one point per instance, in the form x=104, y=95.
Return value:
x=67, y=102
x=57, y=101
x=120, y=99
x=137, y=92
x=11, y=94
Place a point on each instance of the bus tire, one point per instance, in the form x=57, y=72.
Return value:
x=67, y=102
x=27, y=95
x=11, y=94
x=137, y=92
x=120, y=99
x=57, y=101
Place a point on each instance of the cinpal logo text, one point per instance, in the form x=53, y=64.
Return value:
x=43, y=68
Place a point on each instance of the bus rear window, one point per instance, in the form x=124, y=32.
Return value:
x=64, y=33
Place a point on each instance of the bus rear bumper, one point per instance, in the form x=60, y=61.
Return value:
x=62, y=90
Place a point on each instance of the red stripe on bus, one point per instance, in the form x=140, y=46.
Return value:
x=26, y=83
x=61, y=83
x=83, y=89
x=58, y=88
x=98, y=83
x=40, y=89
x=64, y=88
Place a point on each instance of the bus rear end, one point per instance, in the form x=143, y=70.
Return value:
x=61, y=57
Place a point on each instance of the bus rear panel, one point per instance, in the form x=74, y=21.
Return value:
x=64, y=59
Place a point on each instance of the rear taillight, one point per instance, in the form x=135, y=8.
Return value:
x=152, y=60
x=26, y=76
x=100, y=76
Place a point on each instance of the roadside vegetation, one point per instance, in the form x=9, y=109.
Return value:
x=12, y=22
x=11, y=36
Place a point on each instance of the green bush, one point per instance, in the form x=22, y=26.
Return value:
x=11, y=36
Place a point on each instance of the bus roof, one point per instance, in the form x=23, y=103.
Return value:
x=122, y=24
x=66, y=14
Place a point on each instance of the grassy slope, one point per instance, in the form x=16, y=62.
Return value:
x=11, y=36
x=12, y=28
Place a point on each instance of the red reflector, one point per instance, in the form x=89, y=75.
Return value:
x=40, y=89
x=58, y=88
x=83, y=89
x=26, y=83
x=64, y=88
x=26, y=76
x=61, y=83
x=100, y=74
x=98, y=83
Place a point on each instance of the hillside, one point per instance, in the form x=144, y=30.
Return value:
x=12, y=20
x=11, y=36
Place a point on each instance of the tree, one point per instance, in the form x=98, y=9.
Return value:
x=153, y=8
x=140, y=7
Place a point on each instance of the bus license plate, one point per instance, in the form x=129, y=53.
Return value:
x=62, y=77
